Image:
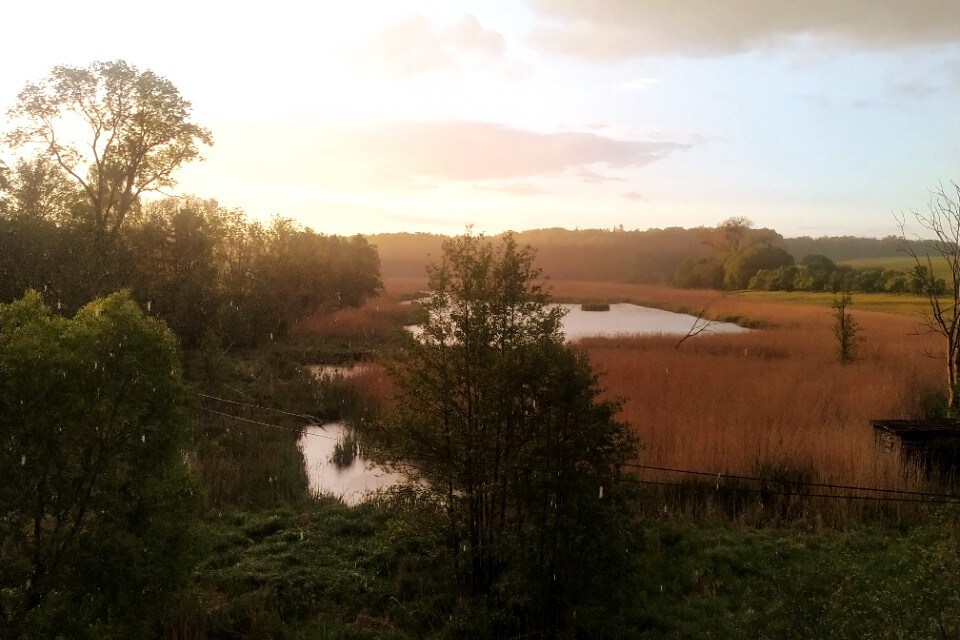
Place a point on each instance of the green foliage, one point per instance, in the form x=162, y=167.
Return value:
x=329, y=571
x=503, y=421
x=742, y=266
x=96, y=504
x=136, y=131
x=845, y=328
x=242, y=464
x=705, y=581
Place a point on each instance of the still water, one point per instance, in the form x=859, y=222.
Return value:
x=354, y=481
x=631, y=319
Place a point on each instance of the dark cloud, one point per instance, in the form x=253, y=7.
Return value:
x=615, y=29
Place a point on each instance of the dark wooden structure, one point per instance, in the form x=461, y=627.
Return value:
x=933, y=444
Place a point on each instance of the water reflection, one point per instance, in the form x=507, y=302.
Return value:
x=351, y=480
x=336, y=371
x=631, y=319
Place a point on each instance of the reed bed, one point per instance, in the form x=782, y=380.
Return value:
x=773, y=402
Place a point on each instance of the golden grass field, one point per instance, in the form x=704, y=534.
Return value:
x=775, y=397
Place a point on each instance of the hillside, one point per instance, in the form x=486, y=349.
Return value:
x=649, y=257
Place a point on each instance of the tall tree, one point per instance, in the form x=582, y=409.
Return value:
x=95, y=503
x=115, y=130
x=503, y=420
x=40, y=191
x=942, y=221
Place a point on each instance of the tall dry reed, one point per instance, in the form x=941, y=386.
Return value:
x=768, y=399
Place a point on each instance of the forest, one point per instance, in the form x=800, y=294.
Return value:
x=156, y=385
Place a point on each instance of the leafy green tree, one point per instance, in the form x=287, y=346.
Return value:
x=845, y=328
x=815, y=272
x=39, y=190
x=504, y=422
x=95, y=503
x=745, y=264
x=175, y=265
x=136, y=131
x=706, y=273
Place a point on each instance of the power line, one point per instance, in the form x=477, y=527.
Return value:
x=827, y=496
x=305, y=416
x=822, y=485
x=922, y=496
x=267, y=424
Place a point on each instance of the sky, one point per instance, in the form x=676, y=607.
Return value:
x=822, y=117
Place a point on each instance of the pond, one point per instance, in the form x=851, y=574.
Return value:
x=351, y=482
x=631, y=319
x=354, y=481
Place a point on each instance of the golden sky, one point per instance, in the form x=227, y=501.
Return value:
x=814, y=118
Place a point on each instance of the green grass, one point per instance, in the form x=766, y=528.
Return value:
x=899, y=263
x=903, y=304
x=720, y=581
x=330, y=571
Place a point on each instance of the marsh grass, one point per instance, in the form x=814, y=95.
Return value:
x=749, y=404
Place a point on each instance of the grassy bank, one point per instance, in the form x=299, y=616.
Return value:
x=329, y=571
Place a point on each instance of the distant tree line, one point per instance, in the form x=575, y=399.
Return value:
x=688, y=258
x=819, y=273
x=209, y=272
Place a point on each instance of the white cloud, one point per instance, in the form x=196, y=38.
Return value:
x=465, y=151
x=416, y=46
x=414, y=156
x=616, y=29
x=515, y=188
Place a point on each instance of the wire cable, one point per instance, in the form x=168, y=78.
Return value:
x=827, y=496
x=300, y=431
x=822, y=485
x=312, y=419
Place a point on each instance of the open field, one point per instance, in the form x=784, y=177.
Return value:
x=898, y=263
x=775, y=398
x=901, y=304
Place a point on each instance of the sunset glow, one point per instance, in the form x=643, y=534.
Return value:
x=814, y=118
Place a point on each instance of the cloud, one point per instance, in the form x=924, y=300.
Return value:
x=469, y=151
x=416, y=46
x=593, y=177
x=617, y=29
x=632, y=195
x=914, y=90
x=516, y=189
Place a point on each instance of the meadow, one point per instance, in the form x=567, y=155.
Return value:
x=774, y=402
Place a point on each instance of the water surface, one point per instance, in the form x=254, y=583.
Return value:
x=631, y=319
x=351, y=483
